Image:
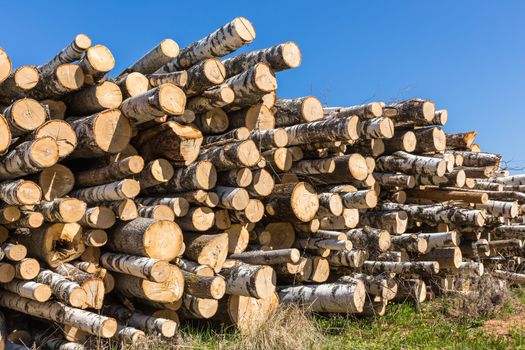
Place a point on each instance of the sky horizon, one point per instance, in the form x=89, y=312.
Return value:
x=467, y=57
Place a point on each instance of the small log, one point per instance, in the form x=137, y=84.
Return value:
x=251, y=85
x=28, y=219
x=197, y=308
x=132, y=84
x=239, y=134
x=116, y=171
x=370, y=238
x=98, y=217
x=411, y=164
x=26, y=268
x=449, y=257
x=278, y=158
x=208, y=250
x=152, y=269
x=405, y=141
x=62, y=210
x=206, y=287
x=409, y=242
x=179, y=79
x=56, y=181
x=348, y=219
x=323, y=243
x=328, y=297
x=241, y=177
x=157, y=102
x=87, y=321
x=156, y=239
x=221, y=42
x=166, y=292
x=330, y=203
x=392, y=221
x=93, y=99
x=203, y=75
x=178, y=205
x=447, y=195
x=262, y=184
x=212, y=122
x=504, y=209
x=20, y=192
x=324, y=130
x=159, y=212
x=173, y=141
x=411, y=289
x=233, y=155
x=63, y=79
x=105, y=132
x=124, y=209
x=216, y=97
x=155, y=58
x=156, y=172
x=150, y=324
x=92, y=285
x=13, y=251
x=95, y=238
x=114, y=191
x=297, y=200
x=29, y=289
x=424, y=268
x=279, y=57
x=255, y=117
x=461, y=140
x=257, y=281
x=270, y=257
x=365, y=199
x=440, y=239
x=7, y=272
x=270, y=138
x=395, y=180
x=62, y=288
x=29, y=157
x=55, y=243
x=19, y=82
x=9, y=214
x=347, y=258
x=298, y=110
x=277, y=235
x=198, y=219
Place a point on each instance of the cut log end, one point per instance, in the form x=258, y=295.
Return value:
x=70, y=76
x=82, y=41
x=26, y=77
x=44, y=152
x=112, y=131
x=248, y=153
x=71, y=209
x=28, y=193
x=172, y=99
x=100, y=58
x=27, y=114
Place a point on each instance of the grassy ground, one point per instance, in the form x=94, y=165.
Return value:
x=403, y=327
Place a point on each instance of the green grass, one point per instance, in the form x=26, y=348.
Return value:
x=403, y=327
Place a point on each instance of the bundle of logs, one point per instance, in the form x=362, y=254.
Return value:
x=185, y=189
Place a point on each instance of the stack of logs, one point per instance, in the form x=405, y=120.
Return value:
x=184, y=189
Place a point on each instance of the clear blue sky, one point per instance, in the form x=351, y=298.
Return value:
x=467, y=56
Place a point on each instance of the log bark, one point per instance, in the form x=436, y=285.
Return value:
x=409, y=242
x=461, y=140
x=20, y=192
x=150, y=324
x=347, y=258
x=405, y=141
x=203, y=75
x=392, y=221
x=412, y=111
x=221, y=42
x=370, y=238
x=63, y=79
x=156, y=239
x=268, y=139
x=257, y=281
x=449, y=257
x=436, y=195
x=87, y=321
x=289, y=112
x=178, y=205
x=18, y=83
x=239, y=134
x=440, y=239
x=152, y=269
x=179, y=79
x=91, y=284
x=270, y=257
x=376, y=128
x=159, y=212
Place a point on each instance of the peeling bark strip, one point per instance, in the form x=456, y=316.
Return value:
x=176, y=142
x=84, y=320
x=328, y=297
x=157, y=102
x=29, y=157
x=155, y=58
x=280, y=57
x=411, y=164
x=257, y=281
x=71, y=53
x=152, y=269
x=325, y=130
x=221, y=42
